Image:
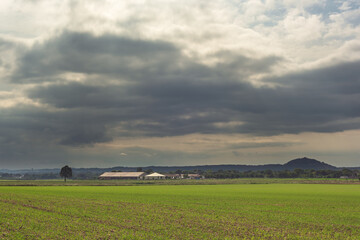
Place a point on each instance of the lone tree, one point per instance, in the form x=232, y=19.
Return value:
x=66, y=172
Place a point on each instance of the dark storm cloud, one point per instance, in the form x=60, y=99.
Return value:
x=124, y=58
x=27, y=123
x=85, y=53
x=242, y=65
x=159, y=108
x=160, y=92
x=339, y=79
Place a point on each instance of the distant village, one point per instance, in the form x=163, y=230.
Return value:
x=147, y=176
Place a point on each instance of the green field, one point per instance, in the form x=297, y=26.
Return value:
x=236, y=211
x=59, y=182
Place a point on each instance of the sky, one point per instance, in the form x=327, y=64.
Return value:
x=101, y=83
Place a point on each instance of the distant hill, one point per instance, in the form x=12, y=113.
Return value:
x=301, y=163
x=308, y=163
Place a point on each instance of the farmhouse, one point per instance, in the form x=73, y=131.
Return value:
x=122, y=175
x=155, y=176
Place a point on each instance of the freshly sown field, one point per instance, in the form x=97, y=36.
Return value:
x=237, y=211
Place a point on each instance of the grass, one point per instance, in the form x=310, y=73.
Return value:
x=235, y=211
x=59, y=182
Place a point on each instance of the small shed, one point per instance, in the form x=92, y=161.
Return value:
x=154, y=175
x=122, y=175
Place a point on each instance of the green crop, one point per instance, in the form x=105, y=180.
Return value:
x=237, y=211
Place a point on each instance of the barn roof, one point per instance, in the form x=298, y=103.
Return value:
x=155, y=174
x=122, y=174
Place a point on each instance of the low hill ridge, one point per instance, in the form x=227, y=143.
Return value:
x=301, y=163
x=308, y=163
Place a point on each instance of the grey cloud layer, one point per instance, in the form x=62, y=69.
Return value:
x=156, y=91
x=85, y=53
x=132, y=59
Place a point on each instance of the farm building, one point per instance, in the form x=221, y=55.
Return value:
x=155, y=176
x=172, y=176
x=122, y=175
x=193, y=176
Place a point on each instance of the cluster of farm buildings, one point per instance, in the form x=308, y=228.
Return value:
x=146, y=176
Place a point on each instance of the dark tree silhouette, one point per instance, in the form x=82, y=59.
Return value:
x=66, y=172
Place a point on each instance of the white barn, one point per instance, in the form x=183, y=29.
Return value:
x=155, y=176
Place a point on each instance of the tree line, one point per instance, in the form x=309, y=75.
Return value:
x=297, y=173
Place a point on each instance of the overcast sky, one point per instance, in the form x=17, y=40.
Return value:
x=100, y=83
